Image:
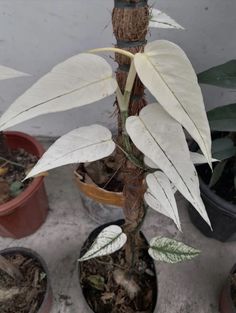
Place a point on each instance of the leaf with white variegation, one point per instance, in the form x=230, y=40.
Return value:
x=159, y=19
x=167, y=72
x=108, y=241
x=158, y=136
x=85, y=144
x=8, y=73
x=170, y=251
x=160, y=188
x=80, y=80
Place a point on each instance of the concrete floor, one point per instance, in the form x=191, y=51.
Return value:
x=191, y=287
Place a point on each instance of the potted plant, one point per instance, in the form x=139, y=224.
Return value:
x=218, y=188
x=23, y=206
x=157, y=160
x=101, y=182
x=24, y=282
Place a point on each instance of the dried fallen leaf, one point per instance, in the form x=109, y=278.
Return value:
x=3, y=170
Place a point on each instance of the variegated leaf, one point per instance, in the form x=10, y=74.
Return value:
x=167, y=72
x=170, y=251
x=85, y=144
x=159, y=19
x=158, y=136
x=160, y=189
x=108, y=241
x=80, y=80
x=7, y=73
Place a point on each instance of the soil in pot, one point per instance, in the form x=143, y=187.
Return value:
x=104, y=173
x=105, y=285
x=13, y=171
x=25, y=295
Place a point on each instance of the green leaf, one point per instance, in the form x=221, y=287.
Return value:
x=217, y=173
x=96, y=281
x=223, y=75
x=223, y=118
x=170, y=251
x=223, y=148
x=16, y=188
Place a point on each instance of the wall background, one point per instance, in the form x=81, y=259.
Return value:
x=37, y=34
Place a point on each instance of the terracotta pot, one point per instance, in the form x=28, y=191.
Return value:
x=226, y=304
x=102, y=205
x=24, y=214
x=48, y=298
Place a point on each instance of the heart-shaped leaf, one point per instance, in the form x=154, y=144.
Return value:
x=85, y=144
x=158, y=136
x=80, y=80
x=170, y=251
x=167, y=72
x=159, y=188
x=108, y=241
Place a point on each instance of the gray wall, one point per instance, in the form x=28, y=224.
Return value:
x=37, y=34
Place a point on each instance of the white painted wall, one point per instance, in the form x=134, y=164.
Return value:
x=37, y=34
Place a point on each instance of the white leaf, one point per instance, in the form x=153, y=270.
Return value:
x=198, y=158
x=108, y=241
x=85, y=144
x=167, y=72
x=160, y=188
x=80, y=80
x=158, y=136
x=7, y=73
x=170, y=251
x=161, y=20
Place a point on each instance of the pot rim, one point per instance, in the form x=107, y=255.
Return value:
x=8, y=207
x=34, y=255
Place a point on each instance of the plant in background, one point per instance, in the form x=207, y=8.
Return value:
x=223, y=126
x=157, y=132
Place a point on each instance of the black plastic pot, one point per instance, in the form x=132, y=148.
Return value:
x=226, y=304
x=47, y=302
x=222, y=215
x=93, y=235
